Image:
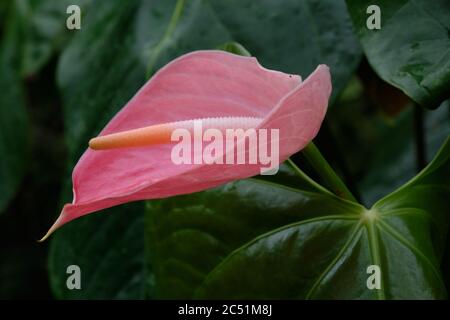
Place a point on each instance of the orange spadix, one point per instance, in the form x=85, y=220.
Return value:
x=157, y=134
x=161, y=133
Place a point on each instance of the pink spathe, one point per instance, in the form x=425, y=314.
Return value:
x=200, y=84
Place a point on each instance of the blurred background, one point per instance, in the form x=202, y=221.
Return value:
x=59, y=87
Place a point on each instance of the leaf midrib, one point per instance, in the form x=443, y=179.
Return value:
x=374, y=250
x=386, y=227
x=336, y=259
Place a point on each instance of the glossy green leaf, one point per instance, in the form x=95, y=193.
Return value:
x=122, y=42
x=221, y=220
x=415, y=217
x=13, y=114
x=411, y=51
x=294, y=36
x=273, y=239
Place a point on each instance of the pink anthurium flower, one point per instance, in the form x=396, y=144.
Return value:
x=132, y=159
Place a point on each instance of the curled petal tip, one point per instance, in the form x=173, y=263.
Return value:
x=52, y=229
x=49, y=232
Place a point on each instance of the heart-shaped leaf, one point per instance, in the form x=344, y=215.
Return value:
x=411, y=50
x=272, y=239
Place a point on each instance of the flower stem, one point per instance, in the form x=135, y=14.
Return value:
x=329, y=177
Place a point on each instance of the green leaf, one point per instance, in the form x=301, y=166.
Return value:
x=294, y=36
x=411, y=51
x=275, y=239
x=44, y=30
x=13, y=116
x=191, y=236
x=40, y=29
x=109, y=249
x=122, y=41
x=415, y=218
